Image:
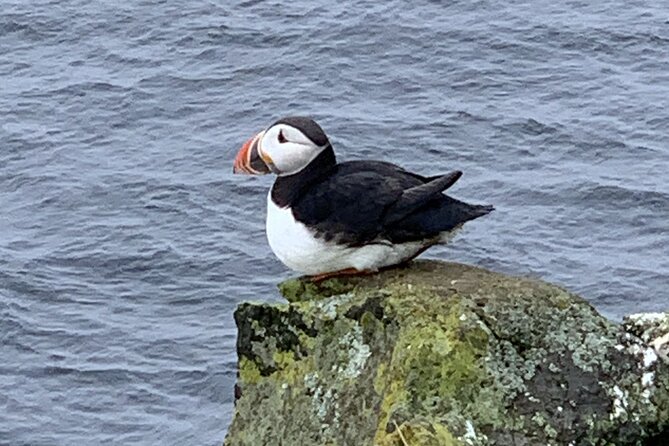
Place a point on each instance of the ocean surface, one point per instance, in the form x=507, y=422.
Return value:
x=126, y=242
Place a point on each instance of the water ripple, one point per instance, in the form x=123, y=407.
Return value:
x=125, y=241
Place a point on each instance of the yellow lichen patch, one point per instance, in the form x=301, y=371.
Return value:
x=418, y=434
x=394, y=396
x=306, y=341
x=438, y=361
x=290, y=371
x=438, y=357
x=303, y=289
x=283, y=360
x=248, y=371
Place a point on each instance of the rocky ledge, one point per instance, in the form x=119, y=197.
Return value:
x=446, y=354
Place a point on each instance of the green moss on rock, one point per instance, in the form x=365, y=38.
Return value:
x=441, y=354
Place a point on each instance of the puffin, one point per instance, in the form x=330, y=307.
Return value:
x=327, y=219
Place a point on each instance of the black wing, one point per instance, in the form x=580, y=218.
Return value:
x=364, y=201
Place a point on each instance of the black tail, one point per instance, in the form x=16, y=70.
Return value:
x=473, y=211
x=441, y=215
x=453, y=213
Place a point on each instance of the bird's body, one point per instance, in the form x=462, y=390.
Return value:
x=327, y=217
x=302, y=249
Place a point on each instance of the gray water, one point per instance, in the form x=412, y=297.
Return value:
x=126, y=243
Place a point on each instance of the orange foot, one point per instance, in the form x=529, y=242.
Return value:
x=344, y=272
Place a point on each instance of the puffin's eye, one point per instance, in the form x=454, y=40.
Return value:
x=282, y=138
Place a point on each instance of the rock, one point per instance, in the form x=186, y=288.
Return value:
x=653, y=329
x=444, y=354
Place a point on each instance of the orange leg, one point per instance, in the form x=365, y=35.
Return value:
x=344, y=272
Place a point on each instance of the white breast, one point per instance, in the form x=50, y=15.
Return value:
x=297, y=248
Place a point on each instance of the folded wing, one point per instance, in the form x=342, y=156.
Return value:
x=365, y=202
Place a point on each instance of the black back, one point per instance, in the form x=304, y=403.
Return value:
x=356, y=203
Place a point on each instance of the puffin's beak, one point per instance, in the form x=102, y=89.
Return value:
x=250, y=160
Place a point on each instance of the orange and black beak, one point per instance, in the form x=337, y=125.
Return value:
x=250, y=159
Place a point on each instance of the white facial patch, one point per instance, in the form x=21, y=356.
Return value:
x=289, y=149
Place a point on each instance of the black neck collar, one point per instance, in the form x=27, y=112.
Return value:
x=289, y=188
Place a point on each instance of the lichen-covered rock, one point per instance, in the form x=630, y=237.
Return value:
x=442, y=354
x=653, y=329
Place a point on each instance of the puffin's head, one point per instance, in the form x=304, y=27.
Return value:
x=284, y=148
